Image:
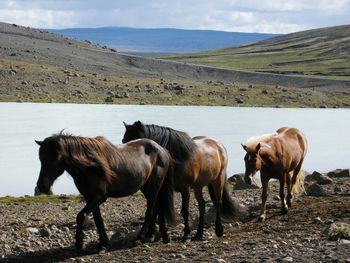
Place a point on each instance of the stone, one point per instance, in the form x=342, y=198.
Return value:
x=316, y=190
x=338, y=230
x=287, y=259
x=319, y=178
x=32, y=230
x=45, y=232
x=240, y=184
x=339, y=173
x=109, y=99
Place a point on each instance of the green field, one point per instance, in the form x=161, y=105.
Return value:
x=321, y=52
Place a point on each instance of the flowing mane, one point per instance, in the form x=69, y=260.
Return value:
x=252, y=142
x=179, y=144
x=89, y=152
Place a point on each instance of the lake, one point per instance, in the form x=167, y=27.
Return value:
x=327, y=131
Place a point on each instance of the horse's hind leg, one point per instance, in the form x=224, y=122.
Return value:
x=151, y=194
x=163, y=227
x=284, y=207
x=185, y=196
x=296, y=172
x=217, y=188
x=289, y=190
x=201, y=205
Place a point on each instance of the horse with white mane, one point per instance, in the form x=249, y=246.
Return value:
x=279, y=155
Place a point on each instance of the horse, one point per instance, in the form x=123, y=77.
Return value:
x=101, y=169
x=198, y=162
x=279, y=155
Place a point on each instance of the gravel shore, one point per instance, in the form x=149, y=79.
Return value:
x=44, y=231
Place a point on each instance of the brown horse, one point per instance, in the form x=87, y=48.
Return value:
x=280, y=156
x=198, y=162
x=102, y=170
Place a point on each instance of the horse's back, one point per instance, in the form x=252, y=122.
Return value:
x=151, y=149
x=208, y=161
x=294, y=143
x=293, y=135
x=209, y=145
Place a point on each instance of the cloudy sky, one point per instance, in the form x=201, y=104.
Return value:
x=268, y=16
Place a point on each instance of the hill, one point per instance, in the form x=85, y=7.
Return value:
x=318, y=52
x=161, y=40
x=39, y=66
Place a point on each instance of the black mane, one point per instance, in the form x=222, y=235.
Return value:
x=179, y=144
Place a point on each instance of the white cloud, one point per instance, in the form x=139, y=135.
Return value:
x=39, y=18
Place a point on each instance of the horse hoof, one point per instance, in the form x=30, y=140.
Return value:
x=143, y=239
x=219, y=231
x=185, y=238
x=166, y=239
x=262, y=218
x=81, y=247
x=284, y=211
x=198, y=237
x=103, y=244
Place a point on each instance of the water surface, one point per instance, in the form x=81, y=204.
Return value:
x=327, y=131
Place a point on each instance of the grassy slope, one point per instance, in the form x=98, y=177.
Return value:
x=321, y=52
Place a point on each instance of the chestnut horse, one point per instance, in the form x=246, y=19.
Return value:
x=101, y=169
x=198, y=162
x=280, y=156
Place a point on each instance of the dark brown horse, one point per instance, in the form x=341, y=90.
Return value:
x=280, y=156
x=102, y=170
x=198, y=162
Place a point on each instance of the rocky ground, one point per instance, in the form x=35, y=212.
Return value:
x=27, y=82
x=44, y=231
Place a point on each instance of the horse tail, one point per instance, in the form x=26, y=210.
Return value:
x=230, y=208
x=166, y=195
x=299, y=184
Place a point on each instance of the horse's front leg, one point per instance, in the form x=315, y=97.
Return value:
x=79, y=236
x=100, y=227
x=284, y=207
x=265, y=186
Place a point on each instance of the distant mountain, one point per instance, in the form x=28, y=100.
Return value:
x=162, y=40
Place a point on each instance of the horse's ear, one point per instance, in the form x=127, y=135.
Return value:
x=258, y=147
x=38, y=142
x=244, y=147
x=126, y=125
x=138, y=124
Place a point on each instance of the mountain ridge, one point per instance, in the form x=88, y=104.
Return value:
x=161, y=40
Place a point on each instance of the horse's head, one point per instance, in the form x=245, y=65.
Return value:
x=133, y=131
x=252, y=162
x=50, y=155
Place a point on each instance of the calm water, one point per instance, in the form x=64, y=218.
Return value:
x=327, y=131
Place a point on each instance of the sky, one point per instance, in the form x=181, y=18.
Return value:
x=262, y=16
